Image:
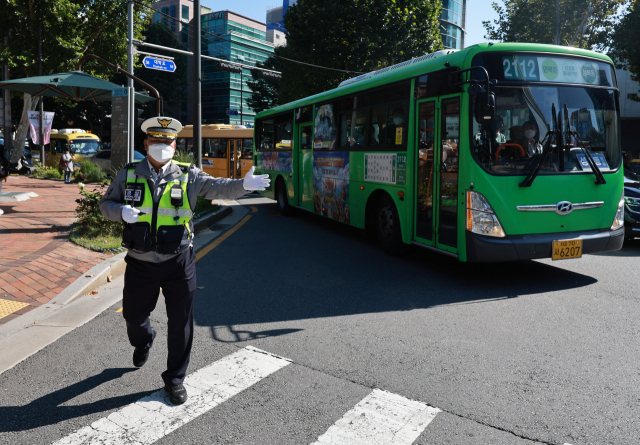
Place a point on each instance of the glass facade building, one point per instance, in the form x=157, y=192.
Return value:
x=225, y=94
x=452, y=23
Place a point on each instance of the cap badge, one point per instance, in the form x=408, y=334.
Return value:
x=164, y=122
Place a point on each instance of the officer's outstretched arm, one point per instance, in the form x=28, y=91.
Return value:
x=112, y=202
x=211, y=188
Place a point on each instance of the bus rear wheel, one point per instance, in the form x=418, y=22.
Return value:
x=388, y=227
x=282, y=199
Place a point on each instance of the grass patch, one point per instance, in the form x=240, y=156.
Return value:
x=97, y=237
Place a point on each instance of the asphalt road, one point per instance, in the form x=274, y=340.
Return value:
x=520, y=353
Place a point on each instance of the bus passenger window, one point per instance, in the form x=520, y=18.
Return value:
x=284, y=136
x=376, y=129
x=247, y=148
x=352, y=128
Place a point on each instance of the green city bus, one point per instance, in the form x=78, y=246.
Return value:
x=497, y=152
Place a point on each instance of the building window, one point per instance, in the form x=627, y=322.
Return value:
x=185, y=12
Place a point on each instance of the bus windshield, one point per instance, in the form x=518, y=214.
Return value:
x=524, y=126
x=86, y=147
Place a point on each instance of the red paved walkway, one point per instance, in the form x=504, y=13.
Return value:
x=37, y=260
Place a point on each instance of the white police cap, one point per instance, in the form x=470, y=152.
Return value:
x=161, y=127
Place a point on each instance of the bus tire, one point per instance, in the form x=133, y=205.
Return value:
x=281, y=198
x=388, y=227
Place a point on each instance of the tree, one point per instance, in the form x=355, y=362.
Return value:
x=70, y=29
x=265, y=92
x=535, y=21
x=351, y=35
x=624, y=46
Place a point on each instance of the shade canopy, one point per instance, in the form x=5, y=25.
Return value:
x=74, y=85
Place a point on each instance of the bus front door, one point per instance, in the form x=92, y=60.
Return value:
x=305, y=167
x=436, y=209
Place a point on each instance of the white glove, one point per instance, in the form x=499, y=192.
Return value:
x=130, y=214
x=258, y=182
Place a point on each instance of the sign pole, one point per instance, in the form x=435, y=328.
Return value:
x=197, y=74
x=241, y=104
x=132, y=97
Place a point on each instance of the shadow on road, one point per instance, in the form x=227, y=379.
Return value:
x=47, y=410
x=307, y=267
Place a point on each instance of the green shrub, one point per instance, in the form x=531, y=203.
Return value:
x=47, y=172
x=183, y=156
x=89, y=215
x=89, y=172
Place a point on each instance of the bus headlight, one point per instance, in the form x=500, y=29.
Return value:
x=618, y=221
x=481, y=218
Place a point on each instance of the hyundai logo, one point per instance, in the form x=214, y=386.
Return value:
x=564, y=208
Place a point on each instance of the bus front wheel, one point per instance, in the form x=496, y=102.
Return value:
x=282, y=199
x=388, y=227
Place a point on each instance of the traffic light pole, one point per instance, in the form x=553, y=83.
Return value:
x=197, y=78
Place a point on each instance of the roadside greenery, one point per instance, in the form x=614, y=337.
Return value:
x=89, y=172
x=624, y=46
x=70, y=29
x=353, y=35
x=47, y=172
x=583, y=23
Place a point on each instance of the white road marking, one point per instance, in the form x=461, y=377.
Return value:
x=153, y=417
x=380, y=418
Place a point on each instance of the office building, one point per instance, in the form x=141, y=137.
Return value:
x=275, y=23
x=241, y=40
x=452, y=23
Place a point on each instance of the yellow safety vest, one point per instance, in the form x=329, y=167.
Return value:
x=161, y=225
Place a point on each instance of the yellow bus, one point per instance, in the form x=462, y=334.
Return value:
x=82, y=145
x=227, y=150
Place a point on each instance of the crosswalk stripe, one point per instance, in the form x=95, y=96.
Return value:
x=381, y=418
x=153, y=417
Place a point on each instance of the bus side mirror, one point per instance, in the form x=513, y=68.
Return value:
x=485, y=113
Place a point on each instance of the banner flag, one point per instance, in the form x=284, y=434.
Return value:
x=34, y=125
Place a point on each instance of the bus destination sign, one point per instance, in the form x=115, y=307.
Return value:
x=550, y=69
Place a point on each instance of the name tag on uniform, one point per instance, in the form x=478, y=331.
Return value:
x=132, y=195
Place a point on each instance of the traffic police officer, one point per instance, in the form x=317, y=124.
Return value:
x=156, y=198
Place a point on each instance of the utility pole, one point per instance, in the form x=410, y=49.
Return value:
x=241, y=104
x=41, y=97
x=197, y=84
x=132, y=99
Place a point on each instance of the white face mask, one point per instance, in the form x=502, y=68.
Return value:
x=529, y=133
x=398, y=120
x=161, y=152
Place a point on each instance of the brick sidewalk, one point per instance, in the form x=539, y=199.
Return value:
x=37, y=260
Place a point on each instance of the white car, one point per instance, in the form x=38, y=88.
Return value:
x=103, y=160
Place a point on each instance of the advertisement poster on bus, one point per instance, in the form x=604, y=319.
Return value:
x=276, y=161
x=326, y=129
x=331, y=185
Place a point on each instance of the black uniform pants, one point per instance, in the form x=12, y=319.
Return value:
x=142, y=283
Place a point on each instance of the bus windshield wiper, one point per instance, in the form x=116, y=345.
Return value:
x=535, y=168
x=594, y=168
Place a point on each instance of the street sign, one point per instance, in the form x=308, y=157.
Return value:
x=159, y=64
x=232, y=112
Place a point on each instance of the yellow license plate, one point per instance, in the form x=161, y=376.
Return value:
x=563, y=250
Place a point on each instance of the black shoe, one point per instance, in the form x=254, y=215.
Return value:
x=140, y=355
x=177, y=393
